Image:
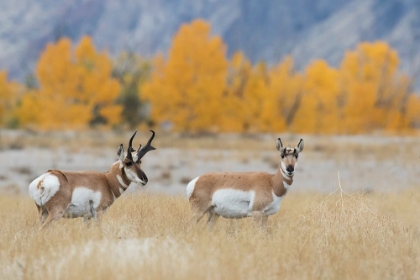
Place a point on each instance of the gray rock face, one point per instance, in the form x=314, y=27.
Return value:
x=263, y=30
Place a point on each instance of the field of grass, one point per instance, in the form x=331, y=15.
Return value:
x=149, y=236
x=371, y=232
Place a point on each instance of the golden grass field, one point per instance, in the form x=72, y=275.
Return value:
x=149, y=236
x=358, y=233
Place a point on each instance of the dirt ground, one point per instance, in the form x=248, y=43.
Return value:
x=368, y=163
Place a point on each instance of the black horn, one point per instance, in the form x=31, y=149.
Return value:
x=147, y=148
x=130, y=148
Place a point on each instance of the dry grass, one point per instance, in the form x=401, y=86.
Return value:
x=149, y=236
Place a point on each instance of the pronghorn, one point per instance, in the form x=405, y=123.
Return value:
x=82, y=194
x=240, y=195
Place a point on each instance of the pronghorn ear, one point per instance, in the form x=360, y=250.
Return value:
x=279, y=145
x=120, y=154
x=300, y=146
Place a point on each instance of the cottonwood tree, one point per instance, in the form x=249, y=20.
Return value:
x=187, y=89
x=9, y=94
x=75, y=88
x=320, y=106
x=373, y=90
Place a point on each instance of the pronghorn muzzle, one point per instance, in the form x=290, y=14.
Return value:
x=142, y=176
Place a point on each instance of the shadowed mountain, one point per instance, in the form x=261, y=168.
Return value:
x=263, y=30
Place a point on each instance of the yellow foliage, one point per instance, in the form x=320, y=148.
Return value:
x=196, y=93
x=373, y=92
x=242, y=101
x=319, y=106
x=8, y=96
x=282, y=95
x=233, y=102
x=75, y=88
x=187, y=90
x=197, y=89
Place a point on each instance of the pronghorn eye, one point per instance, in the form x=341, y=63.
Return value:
x=282, y=155
x=128, y=163
x=296, y=155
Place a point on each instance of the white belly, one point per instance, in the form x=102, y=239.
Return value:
x=231, y=203
x=84, y=202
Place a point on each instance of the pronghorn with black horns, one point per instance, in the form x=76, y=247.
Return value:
x=84, y=194
x=240, y=195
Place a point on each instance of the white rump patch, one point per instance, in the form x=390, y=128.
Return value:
x=191, y=186
x=274, y=206
x=50, y=185
x=231, y=203
x=80, y=205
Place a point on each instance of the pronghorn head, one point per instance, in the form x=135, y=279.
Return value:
x=131, y=163
x=289, y=157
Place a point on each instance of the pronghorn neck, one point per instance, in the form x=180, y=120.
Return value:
x=117, y=180
x=281, y=182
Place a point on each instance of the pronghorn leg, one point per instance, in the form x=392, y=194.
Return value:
x=92, y=215
x=198, y=213
x=93, y=210
x=197, y=216
x=264, y=221
x=260, y=218
x=212, y=219
x=87, y=221
x=95, y=219
x=53, y=215
x=210, y=215
x=42, y=213
x=56, y=209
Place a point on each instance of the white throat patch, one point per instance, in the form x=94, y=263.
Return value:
x=120, y=180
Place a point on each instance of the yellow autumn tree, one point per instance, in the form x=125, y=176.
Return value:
x=75, y=88
x=187, y=89
x=372, y=89
x=232, y=108
x=319, y=110
x=243, y=96
x=8, y=97
x=281, y=97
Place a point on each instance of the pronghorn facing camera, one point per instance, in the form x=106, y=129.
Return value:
x=240, y=195
x=84, y=194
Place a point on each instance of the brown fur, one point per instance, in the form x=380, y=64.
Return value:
x=106, y=183
x=264, y=184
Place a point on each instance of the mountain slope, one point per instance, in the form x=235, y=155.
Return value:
x=263, y=30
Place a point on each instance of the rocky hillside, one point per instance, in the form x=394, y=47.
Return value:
x=264, y=30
